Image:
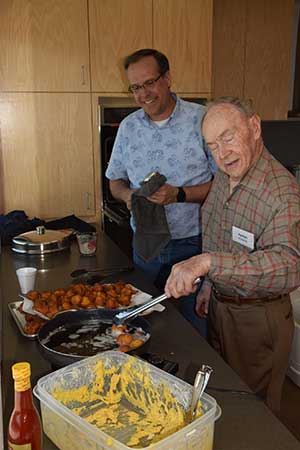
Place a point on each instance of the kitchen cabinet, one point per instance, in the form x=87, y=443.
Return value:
x=267, y=79
x=44, y=45
x=183, y=31
x=252, y=44
x=215, y=47
x=47, y=166
x=117, y=28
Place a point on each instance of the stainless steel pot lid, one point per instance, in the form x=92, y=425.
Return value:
x=42, y=241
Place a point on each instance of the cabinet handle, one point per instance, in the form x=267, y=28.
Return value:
x=99, y=118
x=83, y=74
x=88, y=200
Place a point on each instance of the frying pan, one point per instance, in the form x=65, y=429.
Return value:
x=69, y=322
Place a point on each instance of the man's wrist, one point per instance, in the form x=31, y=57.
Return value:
x=201, y=263
x=127, y=197
x=208, y=261
x=181, y=195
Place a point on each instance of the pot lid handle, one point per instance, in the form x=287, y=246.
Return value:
x=40, y=229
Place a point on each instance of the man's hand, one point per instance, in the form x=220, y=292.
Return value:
x=183, y=275
x=120, y=190
x=165, y=195
x=202, y=300
x=128, y=197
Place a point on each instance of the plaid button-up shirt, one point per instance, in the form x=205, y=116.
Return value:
x=266, y=204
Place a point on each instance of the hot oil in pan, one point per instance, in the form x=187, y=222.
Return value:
x=81, y=340
x=87, y=339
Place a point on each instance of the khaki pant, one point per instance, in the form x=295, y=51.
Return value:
x=255, y=340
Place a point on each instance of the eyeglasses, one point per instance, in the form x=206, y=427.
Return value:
x=134, y=88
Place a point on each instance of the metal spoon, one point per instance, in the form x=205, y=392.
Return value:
x=106, y=272
x=200, y=384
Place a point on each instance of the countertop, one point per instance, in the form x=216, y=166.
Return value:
x=245, y=424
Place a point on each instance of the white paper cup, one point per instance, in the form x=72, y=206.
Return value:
x=26, y=277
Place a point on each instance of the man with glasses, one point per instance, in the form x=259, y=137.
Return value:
x=163, y=136
x=251, y=245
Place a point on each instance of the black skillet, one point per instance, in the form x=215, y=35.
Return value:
x=65, y=326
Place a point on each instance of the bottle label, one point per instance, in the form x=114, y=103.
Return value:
x=19, y=446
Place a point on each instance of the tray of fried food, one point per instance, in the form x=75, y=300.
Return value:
x=32, y=324
x=77, y=296
x=28, y=324
x=83, y=296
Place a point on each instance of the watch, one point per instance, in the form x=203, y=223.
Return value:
x=181, y=196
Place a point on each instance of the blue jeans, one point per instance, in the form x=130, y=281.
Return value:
x=158, y=269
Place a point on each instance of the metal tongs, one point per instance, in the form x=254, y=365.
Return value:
x=130, y=313
x=200, y=384
x=103, y=273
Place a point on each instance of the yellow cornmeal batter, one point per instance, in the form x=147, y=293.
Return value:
x=126, y=405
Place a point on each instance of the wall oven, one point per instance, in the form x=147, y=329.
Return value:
x=115, y=215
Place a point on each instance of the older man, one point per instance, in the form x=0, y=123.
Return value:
x=251, y=244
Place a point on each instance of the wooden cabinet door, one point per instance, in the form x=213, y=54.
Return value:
x=44, y=45
x=183, y=31
x=46, y=154
x=228, y=63
x=117, y=28
x=268, y=53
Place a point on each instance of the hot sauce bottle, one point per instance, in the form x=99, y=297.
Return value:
x=24, y=429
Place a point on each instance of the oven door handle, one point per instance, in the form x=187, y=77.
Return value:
x=108, y=145
x=114, y=217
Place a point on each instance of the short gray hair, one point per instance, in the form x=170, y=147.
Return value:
x=243, y=105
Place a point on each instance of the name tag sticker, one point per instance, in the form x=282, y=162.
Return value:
x=243, y=237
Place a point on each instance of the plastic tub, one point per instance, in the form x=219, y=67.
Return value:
x=69, y=431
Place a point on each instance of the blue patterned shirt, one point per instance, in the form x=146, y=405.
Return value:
x=176, y=150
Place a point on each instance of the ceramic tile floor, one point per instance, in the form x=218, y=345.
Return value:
x=290, y=407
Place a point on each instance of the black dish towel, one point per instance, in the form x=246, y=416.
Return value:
x=152, y=230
